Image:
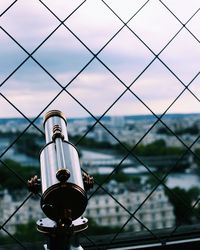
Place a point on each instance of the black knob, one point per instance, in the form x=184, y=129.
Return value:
x=63, y=175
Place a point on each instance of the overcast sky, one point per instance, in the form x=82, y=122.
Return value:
x=30, y=88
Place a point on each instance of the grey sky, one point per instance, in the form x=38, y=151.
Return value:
x=63, y=56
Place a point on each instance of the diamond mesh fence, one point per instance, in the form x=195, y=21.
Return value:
x=50, y=56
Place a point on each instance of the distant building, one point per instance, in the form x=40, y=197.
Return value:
x=156, y=213
x=118, y=122
x=30, y=211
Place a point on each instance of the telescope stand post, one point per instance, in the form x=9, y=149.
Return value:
x=63, y=243
x=62, y=237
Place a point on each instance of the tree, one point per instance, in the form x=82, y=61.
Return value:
x=9, y=179
x=183, y=202
x=28, y=144
x=152, y=181
x=28, y=232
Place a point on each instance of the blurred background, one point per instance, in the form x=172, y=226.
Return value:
x=126, y=74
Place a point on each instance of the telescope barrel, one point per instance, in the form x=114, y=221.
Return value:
x=63, y=196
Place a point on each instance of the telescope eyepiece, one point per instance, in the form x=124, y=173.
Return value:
x=57, y=133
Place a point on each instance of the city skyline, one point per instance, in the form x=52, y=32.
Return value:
x=31, y=89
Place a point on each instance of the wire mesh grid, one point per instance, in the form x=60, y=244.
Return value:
x=127, y=88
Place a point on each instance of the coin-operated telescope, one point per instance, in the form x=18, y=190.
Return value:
x=64, y=197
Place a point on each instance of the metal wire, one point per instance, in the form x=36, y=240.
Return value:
x=16, y=210
x=8, y=8
x=99, y=119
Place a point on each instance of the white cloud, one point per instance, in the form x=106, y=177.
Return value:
x=30, y=88
x=184, y=9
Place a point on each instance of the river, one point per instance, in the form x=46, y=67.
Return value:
x=182, y=180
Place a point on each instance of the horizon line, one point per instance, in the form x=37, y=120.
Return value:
x=126, y=115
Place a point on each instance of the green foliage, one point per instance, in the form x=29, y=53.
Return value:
x=164, y=131
x=119, y=177
x=152, y=181
x=24, y=233
x=5, y=239
x=157, y=148
x=104, y=145
x=89, y=143
x=28, y=233
x=8, y=180
x=135, y=179
x=183, y=202
x=193, y=130
x=197, y=157
x=9, y=134
x=99, y=178
x=29, y=145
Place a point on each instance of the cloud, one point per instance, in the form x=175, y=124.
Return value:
x=63, y=55
x=28, y=20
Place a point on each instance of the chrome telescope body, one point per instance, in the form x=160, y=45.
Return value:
x=63, y=198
